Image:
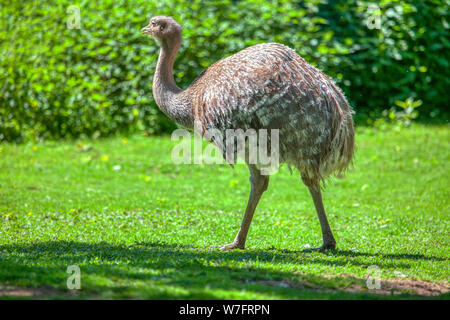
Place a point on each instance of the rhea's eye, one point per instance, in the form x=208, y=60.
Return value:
x=153, y=24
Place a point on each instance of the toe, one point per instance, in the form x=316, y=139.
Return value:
x=227, y=247
x=324, y=247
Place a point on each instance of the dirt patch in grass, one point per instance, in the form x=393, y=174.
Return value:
x=396, y=286
x=358, y=285
x=414, y=287
x=35, y=293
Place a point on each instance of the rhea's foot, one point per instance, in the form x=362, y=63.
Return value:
x=227, y=247
x=324, y=247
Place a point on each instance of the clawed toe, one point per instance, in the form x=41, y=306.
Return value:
x=227, y=247
x=324, y=247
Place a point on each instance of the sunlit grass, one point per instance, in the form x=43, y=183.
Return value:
x=139, y=226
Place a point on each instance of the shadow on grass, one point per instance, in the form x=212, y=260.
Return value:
x=171, y=271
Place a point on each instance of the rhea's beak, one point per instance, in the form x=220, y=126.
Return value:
x=146, y=30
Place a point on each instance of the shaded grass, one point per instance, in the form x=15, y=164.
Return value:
x=139, y=226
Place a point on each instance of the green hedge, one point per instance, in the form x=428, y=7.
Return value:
x=57, y=82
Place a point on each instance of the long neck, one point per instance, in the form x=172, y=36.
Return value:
x=166, y=93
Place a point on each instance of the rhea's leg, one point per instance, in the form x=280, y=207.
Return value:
x=328, y=239
x=259, y=184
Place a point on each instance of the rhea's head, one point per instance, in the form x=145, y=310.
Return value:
x=164, y=29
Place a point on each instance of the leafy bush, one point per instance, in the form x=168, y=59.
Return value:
x=406, y=57
x=65, y=82
x=407, y=113
x=58, y=82
x=397, y=117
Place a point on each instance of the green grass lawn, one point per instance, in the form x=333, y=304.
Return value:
x=139, y=226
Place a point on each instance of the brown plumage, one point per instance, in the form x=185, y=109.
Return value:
x=266, y=86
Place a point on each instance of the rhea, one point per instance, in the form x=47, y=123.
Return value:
x=265, y=86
